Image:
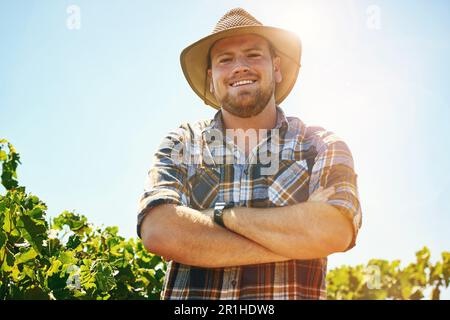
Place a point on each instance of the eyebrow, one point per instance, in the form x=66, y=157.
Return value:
x=245, y=50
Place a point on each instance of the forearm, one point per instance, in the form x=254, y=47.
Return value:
x=306, y=230
x=191, y=237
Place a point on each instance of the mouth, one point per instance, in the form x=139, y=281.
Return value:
x=241, y=83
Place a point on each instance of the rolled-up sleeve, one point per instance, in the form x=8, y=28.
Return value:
x=166, y=179
x=334, y=167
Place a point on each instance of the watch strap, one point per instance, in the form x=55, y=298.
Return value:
x=218, y=212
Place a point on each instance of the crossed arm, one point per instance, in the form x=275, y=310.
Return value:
x=308, y=230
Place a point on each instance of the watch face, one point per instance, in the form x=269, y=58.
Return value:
x=220, y=205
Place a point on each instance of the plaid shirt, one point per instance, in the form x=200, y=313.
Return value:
x=191, y=169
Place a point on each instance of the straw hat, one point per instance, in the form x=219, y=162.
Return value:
x=194, y=58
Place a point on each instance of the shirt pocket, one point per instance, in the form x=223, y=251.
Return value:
x=204, y=187
x=290, y=185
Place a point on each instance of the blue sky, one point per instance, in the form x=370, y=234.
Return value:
x=87, y=108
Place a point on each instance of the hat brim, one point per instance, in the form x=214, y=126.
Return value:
x=194, y=59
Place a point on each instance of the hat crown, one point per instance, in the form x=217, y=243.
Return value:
x=236, y=17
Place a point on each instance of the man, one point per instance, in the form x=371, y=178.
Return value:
x=232, y=224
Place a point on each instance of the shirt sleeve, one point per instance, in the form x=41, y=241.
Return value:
x=334, y=167
x=166, y=179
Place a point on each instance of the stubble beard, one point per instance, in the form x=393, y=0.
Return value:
x=253, y=106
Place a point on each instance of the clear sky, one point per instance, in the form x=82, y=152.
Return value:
x=86, y=108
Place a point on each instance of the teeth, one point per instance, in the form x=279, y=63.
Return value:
x=242, y=82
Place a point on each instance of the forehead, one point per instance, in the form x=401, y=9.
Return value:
x=239, y=42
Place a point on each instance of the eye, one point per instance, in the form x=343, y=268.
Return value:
x=254, y=55
x=224, y=60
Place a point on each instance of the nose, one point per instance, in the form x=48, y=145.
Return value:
x=240, y=66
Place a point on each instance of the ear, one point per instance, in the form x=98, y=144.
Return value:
x=277, y=69
x=211, y=84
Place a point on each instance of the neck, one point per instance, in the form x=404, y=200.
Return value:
x=266, y=119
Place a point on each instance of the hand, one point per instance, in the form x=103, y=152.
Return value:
x=321, y=194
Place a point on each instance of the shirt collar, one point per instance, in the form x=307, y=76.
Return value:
x=281, y=123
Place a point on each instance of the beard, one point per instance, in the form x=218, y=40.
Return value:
x=248, y=104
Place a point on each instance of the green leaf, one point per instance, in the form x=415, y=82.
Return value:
x=35, y=293
x=8, y=262
x=73, y=242
x=87, y=278
x=16, y=275
x=104, y=277
x=9, y=166
x=68, y=257
x=7, y=221
x=54, y=268
x=423, y=255
x=36, y=213
x=74, y=221
x=3, y=238
x=25, y=256
x=29, y=272
x=36, y=231
x=57, y=282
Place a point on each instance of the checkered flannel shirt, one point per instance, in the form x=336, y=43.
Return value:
x=309, y=157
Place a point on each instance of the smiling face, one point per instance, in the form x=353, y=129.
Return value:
x=243, y=74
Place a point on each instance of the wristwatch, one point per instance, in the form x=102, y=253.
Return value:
x=218, y=212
